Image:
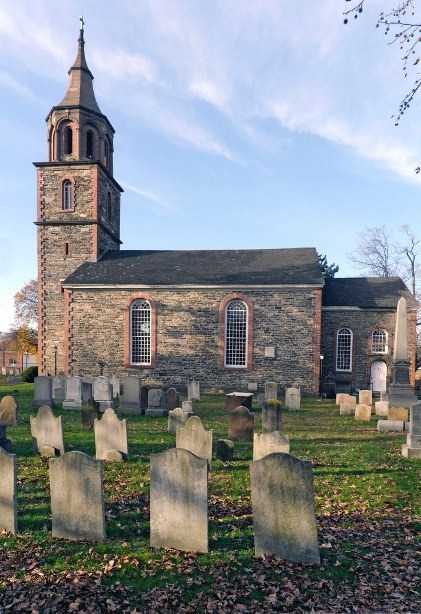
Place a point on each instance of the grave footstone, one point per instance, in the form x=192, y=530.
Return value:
x=235, y=399
x=156, y=403
x=412, y=447
x=8, y=411
x=195, y=438
x=110, y=434
x=89, y=413
x=179, y=501
x=8, y=492
x=271, y=416
x=172, y=399
x=47, y=430
x=284, y=514
x=362, y=412
x=73, y=389
x=268, y=443
x=103, y=393
x=77, y=500
x=130, y=402
x=59, y=389
x=381, y=408
x=177, y=418
x=43, y=391
x=293, y=398
x=365, y=397
x=271, y=391
x=240, y=424
x=387, y=426
x=225, y=449
x=193, y=390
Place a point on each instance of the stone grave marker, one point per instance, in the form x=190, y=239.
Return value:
x=130, y=402
x=172, y=399
x=43, y=391
x=8, y=492
x=235, y=399
x=59, y=389
x=195, y=438
x=412, y=447
x=103, y=393
x=77, y=499
x=87, y=391
x=346, y=409
x=365, y=397
x=8, y=411
x=252, y=386
x=284, y=514
x=110, y=435
x=271, y=391
x=156, y=403
x=179, y=501
x=341, y=397
x=269, y=443
x=293, y=398
x=177, y=418
x=144, y=391
x=5, y=443
x=193, y=390
x=381, y=408
x=393, y=426
x=73, y=388
x=398, y=413
x=271, y=416
x=46, y=431
x=384, y=395
x=187, y=406
x=240, y=424
x=89, y=413
x=362, y=411
x=115, y=385
x=225, y=449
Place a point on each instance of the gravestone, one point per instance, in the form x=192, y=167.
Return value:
x=115, y=385
x=271, y=416
x=73, y=388
x=110, y=434
x=412, y=447
x=46, y=430
x=387, y=426
x=59, y=389
x=362, y=412
x=77, y=499
x=225, y=449
x=252, y=386
x=240, y=424
x=365, y=397
x=271, y=391
x=284, y=514
x=130, y=402
x=384, y=395
x=195, y=438
x=177, y=418
x=156, y=403
x=43, y=391
x=341, y=397
x=8, y=492
x=293, y=398
x=187, y=406
x=8, y=411
x=172, y=399
x=87, y=391
x=269, y=443
x=5, y=443
x=103, y=393
x=144, y=391
x=235, y=399
x=88, y=414
x=401, y=393
x=346, y=409
x=381, y=408
x=179, y=501
x=398, y=413
x=193, y=390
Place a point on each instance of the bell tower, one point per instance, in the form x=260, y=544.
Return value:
x=78, y=204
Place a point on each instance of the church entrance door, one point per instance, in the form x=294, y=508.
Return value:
x=378, y=375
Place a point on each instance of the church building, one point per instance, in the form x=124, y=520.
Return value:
x=223, y=317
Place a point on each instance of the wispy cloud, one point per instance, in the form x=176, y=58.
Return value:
x=151, y=197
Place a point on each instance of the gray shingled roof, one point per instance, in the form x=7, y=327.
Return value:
x=366, y=292
x=204, y=267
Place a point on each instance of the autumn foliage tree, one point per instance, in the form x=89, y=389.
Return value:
x=26, y=304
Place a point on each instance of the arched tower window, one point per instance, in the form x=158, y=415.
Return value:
x=109, y=207
x=68, y=140
x=236, y=323
x=379, y=341
x=140, y=332
x=106, y=154
x=67, y=195
x=344, y=349
x=89, y=144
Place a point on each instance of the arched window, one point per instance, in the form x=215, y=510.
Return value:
x=106, y=153
x=89, y=144
x=379, y=341
x=140, y=332
x=67, y=195
x=109, y=207
x=344, y=350
x=235, y=334
x=68, y=140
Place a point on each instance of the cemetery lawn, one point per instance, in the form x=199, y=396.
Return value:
x=367, y=503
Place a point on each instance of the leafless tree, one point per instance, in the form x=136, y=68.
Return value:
x=376, y=253
x=411, y=248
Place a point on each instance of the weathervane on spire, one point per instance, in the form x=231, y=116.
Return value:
x=82, y=22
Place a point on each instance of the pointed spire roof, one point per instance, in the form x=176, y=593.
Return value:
x=80, y=91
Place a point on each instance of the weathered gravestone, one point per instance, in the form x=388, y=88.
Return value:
x=187, y=406
x=341, y=397
x=271, y=391
x=88, y=414
x=412, y=447
x=271, y=416
x=387, y=426
x=43, y=391
x=381, y=408
x=87, y=391
x=156, y=403
x=362, y=411
x=284, y=514
x=225, y=449
x=293, y=398
x=398, y=413
x=115, y=385
x=177, y=418
x=365, y=397
x=252, y=386
x=110, y=435
x=77, y=499
x=193, y=390
x=103, y=393
x=130, y=402
x=8, y=411
x=179, y=501
x=268, y=443
x=240, y=424
x=346, y=409
x=172, y=399
x=384, y=395
x=47, y=431
x=8, y=492
x=5, y=443
x=59, y=389
x=73, y=387
x=144, y=391
x=235, y=399
x=195, y=438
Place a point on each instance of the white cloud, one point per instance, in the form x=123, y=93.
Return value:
x=156, y=200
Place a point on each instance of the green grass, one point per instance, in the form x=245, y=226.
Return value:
x=363, y=488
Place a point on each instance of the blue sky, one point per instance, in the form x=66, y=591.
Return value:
x=239, y=123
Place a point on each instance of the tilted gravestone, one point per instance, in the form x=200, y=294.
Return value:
x=235, y=399
x=271, y=391
x=365, y=397
x=59, y=389
x=88, y=414
x=179, y=501
x=77, y=499
x=177, y=418
x=412, y=447
x=130, y=402
x=47, y=431
x=8, y=492
x=73, y=387
x=225, y=449
x=293, y=399
x=240, y=424
x=193, y=390
x=156, y=403
x=110, y=434
x=284, y=514
x=8, y=411
x=103, y=393
x=172, y=399
x=195, y=438
x=43, y=391
x=271, y=416
x=268, y=443
x=362, y=412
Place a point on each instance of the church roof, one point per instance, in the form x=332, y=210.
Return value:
x=244, y=267
x=366, y=292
